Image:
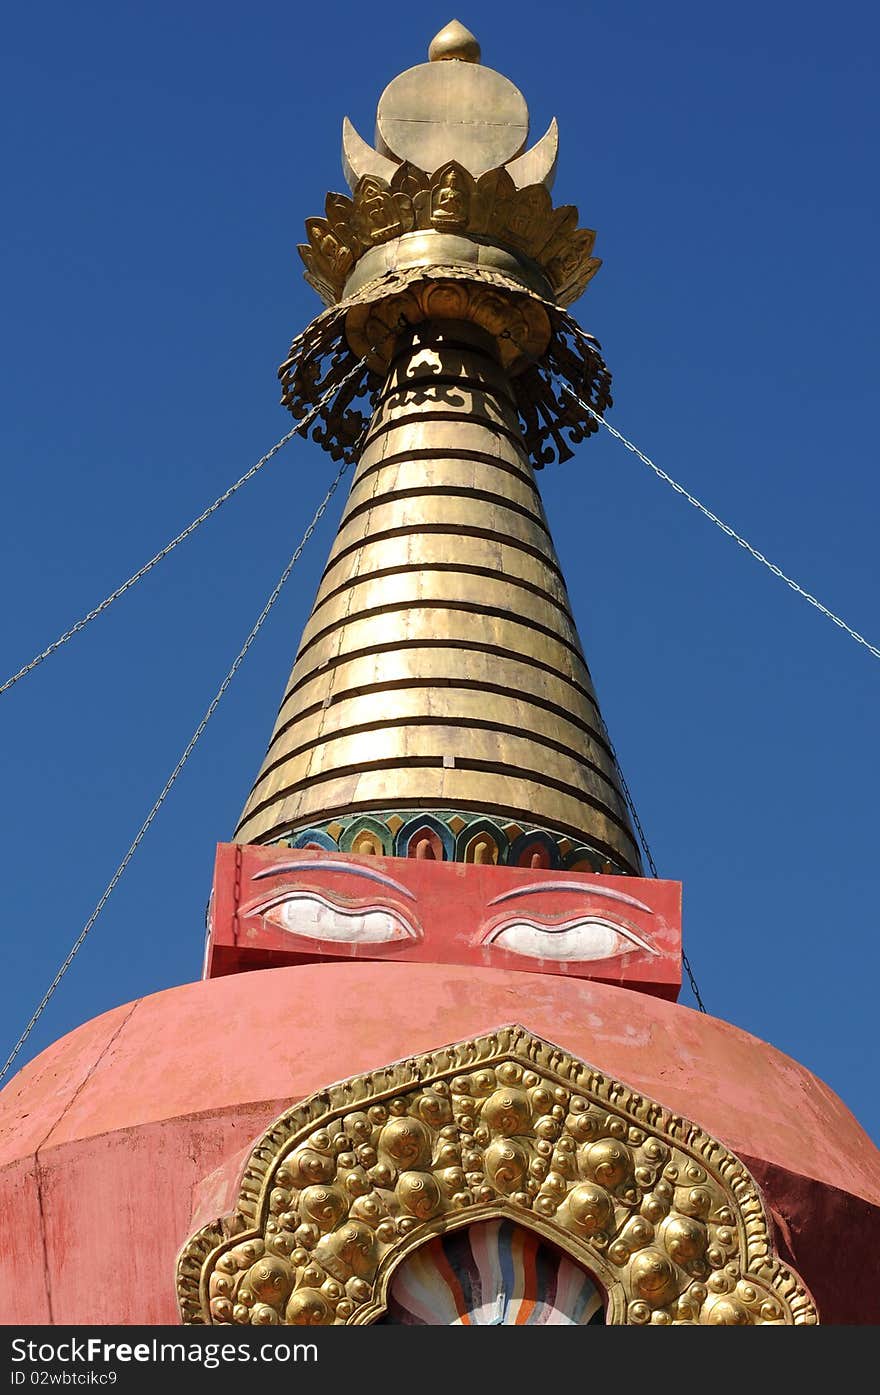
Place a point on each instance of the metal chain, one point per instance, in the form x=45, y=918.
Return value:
x=187, y=532
x=648, y=855
x=691, y=980
x=623, y=784
x=725, y=528
x=753, y=552
x=629, y=800
x=169, y=783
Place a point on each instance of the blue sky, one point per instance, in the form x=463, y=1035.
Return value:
x=160, y=162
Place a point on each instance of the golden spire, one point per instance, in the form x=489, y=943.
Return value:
x=454, y=41
x=440, y=704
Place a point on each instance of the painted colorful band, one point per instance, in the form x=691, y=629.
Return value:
x=451, y=835
x=492, y=1274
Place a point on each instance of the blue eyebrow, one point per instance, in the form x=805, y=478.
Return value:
x=534, y=887
x=331, y=866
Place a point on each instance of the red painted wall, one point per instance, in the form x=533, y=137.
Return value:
x=109, y=1135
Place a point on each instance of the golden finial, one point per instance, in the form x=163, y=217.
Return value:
x=448, y=265
x=454, y=42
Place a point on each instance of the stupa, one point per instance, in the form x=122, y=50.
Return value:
x=435, y=1072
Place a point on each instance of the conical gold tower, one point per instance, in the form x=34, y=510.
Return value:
x=440, y=704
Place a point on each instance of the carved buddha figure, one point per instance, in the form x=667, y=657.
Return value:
x=377, y=217
x=338, y=258
x=449, y=201
x=567, y=265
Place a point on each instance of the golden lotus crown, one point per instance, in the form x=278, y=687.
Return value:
x=452, y=201
x=449, y=218
x=450, y=158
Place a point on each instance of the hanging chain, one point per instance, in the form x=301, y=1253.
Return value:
x=692, y=981
x=181, y=537
x=725, y=527
x=169, y=783
x=649, y=856
x=623, y=784
x=753, y=552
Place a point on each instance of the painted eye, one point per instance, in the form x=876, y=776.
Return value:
x=588, y=937
x=308, y=914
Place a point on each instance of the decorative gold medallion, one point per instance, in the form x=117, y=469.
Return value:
x=346, y=1184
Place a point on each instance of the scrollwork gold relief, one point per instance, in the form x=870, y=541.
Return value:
x=533, y=336
x=347, y=1183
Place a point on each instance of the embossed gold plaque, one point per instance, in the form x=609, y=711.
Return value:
x=347, y=1183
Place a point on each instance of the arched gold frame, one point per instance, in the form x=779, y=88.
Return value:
x=346, y=1184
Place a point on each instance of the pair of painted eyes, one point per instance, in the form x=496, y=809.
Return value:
x=583, y=937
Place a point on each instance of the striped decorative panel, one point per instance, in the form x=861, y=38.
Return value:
x=494, y=1273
